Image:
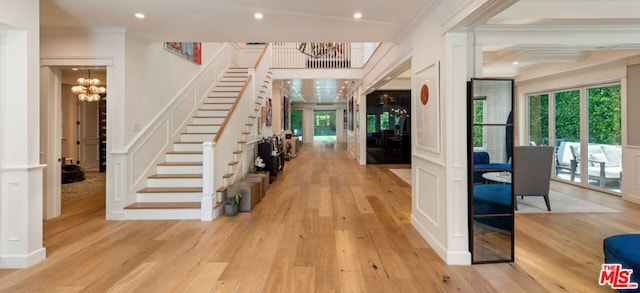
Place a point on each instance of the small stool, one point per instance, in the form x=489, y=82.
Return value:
x=624, y=249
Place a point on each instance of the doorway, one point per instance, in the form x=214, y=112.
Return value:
x=71, y=134
x=83, y=135
x=324, y=125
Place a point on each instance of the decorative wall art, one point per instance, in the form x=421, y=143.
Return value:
x=427, y=107
x=268, y=117
x=191, y=51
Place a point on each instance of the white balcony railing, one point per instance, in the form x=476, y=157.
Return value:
x=340, y=55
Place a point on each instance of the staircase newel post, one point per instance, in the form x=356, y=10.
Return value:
x=208, y=182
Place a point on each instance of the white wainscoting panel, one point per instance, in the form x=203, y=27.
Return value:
x=427, y=199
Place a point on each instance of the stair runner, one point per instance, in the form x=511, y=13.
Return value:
x=177, y=183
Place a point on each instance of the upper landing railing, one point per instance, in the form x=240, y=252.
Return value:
x=321, y=55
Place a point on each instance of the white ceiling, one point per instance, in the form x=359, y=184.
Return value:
x=382, y=21
x=543, y=32
x=233, y=21
x=320, y=91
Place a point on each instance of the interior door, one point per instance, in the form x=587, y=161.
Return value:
x=88, y=136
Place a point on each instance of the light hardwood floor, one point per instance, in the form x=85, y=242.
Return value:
x=327, y=224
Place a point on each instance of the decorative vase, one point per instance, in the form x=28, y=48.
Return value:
x=230, y=209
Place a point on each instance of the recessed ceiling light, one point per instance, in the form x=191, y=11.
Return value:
x=139, y=15
x=74, y=69
x=516, y=62
x=357, y=15
x=258, y=15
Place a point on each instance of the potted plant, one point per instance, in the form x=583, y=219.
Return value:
x=232, y=203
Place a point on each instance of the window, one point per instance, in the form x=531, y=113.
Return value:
x=594, y=110
x=539, y=119
x=325, y=123
x=371, y=123
x=384, y=121
x=478, y=118
x=605, y=115
x=296, y=122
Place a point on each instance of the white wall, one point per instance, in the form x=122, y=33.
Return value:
x=20, y=170
x=154, y=76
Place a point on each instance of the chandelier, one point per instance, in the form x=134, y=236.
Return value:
x=317, y=50
x=88, y=89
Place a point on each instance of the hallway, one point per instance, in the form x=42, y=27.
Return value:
x=327, y=224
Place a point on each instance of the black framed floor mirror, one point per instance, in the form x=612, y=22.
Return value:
x=490, y=156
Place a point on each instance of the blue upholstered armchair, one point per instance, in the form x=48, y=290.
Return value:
x=482, y=164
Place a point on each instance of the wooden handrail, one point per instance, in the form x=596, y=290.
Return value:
x=262, y=55
x=233, y=108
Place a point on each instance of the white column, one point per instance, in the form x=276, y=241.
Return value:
x=20, y=171
x=459, y=67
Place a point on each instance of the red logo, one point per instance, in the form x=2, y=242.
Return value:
x=616, y=277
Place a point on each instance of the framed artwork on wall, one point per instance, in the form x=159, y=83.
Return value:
x=427, y=108
x=191, y=51
x=268, y=117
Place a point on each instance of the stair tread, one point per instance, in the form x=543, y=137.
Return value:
x=246, y=133
x=209, y=116
x=176, y=176
x=171, y=190
x=164, y=205
x=217, y=103
x=205, y=124
x=237, y=152
x=180, y=164
x=234, y=163
x=184, y=153
x=186, y=142
x=228, y=175
x=222, y=189
x=198, y=133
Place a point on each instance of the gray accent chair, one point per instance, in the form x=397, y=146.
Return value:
x=532, y=172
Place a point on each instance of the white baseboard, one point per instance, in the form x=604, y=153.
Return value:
x=449, y=257
x=22, y=261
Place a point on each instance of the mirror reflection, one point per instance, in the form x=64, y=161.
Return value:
x=491, y=140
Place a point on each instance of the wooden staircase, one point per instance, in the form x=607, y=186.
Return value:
x=176, y=188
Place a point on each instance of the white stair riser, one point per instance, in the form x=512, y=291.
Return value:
x=175, y=158
x=231, y=88
x=225, y=94
x=208, y=120
x=225, y=107
x=221, y=113
x=174, y=182
x=224, y=99
x=203, y=128
x=169, y=197
x=179, y=169
x=235, y=80
x=196, y=137
x=187, y=147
